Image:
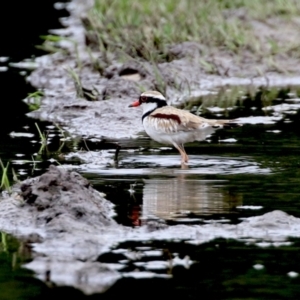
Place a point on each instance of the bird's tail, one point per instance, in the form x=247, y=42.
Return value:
x=225, y=123
x=232, y=124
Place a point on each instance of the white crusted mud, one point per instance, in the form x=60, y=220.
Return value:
x=69, y=225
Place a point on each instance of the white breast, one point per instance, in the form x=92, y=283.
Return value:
x=168, y=132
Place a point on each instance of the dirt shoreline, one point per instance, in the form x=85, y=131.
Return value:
x=109, y=116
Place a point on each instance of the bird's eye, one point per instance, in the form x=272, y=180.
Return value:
x=143, y=98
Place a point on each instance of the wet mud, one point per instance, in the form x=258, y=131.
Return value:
x=70, y=226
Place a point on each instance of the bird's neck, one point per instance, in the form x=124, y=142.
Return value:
x=148, y=108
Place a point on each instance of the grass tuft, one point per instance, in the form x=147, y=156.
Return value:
x=42, y=135
x=5, y=184
x=34, y=100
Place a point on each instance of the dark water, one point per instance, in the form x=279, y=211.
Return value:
x=20, y=31
x=21, y=24
x=227, y=180
x=223, y=269
x=15, y=282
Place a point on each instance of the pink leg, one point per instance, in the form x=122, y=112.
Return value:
x=184, y=157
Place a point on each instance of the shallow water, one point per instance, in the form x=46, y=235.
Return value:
x=237, y=173
x=226, y=182
x=222, y=269
x=233, y=175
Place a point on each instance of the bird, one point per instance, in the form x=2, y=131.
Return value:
x=169, y=125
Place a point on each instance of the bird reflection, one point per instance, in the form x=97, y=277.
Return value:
x=176, y=198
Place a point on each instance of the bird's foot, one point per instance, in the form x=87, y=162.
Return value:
x=184, y=166
x=184, y=162
x=184, y=159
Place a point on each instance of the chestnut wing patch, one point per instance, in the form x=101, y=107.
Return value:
x=167, y=116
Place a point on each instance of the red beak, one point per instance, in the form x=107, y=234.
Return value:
x=135, y=103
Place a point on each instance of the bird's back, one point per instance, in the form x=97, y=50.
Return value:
x=174, y=119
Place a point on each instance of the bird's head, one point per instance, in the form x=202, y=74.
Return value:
x=149, y=101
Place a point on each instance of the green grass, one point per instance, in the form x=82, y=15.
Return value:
x=5, y=184
x=77, y=82
x=43, y=136
x=82, y=92
x=145, y=29
x=34, y=99
x=52, y=44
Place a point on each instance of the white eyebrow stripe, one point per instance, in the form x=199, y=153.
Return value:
x=158, y=96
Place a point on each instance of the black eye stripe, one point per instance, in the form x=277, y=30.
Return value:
x=149, y=99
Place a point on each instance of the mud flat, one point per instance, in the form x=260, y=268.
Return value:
x=69, y=225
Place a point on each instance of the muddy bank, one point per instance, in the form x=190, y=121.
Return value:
x=108, y=115
x=69, y=225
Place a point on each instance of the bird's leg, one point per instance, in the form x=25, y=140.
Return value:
x=180, y=148
x=185, y=157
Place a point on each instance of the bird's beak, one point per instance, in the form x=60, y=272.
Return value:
x=135, y=103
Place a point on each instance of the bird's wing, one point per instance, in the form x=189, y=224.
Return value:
x=171, y=119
